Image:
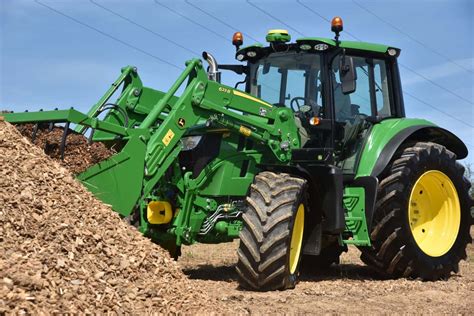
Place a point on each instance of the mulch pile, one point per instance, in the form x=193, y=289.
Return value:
x=78, y=154
x=61, y=250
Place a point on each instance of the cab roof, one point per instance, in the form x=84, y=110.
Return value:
x=242, y=53
x=379, y=48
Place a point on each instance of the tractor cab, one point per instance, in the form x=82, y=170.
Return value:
x=336, y=89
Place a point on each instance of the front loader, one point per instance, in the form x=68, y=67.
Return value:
x=314, y=154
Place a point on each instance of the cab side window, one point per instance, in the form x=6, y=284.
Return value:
x=381, y=88
x=371, y=97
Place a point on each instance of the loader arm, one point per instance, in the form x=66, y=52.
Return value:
x=152, y=146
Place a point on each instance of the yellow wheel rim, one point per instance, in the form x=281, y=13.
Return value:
x=434, y=213
x=296, y=238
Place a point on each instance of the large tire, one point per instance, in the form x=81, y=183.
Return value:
x=272, y=234
x=421, y=225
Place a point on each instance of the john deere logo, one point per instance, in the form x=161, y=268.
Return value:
x=181, y=122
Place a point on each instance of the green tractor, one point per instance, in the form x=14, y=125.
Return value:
x=312, y=154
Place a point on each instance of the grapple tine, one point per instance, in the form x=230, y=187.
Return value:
x=51, y=124
x=63, y=140
x=35, y=130
x=89, y=139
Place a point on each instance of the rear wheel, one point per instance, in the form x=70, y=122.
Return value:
x=272, y=234
x=422, y=220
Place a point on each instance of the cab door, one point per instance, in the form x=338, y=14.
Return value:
x=356, y=111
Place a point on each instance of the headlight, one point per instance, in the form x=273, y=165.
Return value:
x=305, y=47
x=321, y=46
x=190, y=142
x=392, y=52
x=251, y=54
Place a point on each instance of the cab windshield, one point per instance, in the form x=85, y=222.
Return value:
x=288, y=79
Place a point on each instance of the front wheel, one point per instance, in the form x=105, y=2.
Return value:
x=421, y=225
x=272, y=235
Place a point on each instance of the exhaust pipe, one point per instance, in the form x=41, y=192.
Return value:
x=212, y=71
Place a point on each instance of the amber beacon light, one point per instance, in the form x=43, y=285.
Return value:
x=336, y=27
x=237, y=40
x=336, y=24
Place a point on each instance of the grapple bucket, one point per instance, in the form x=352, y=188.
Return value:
x=136, y=126
x=117, y=180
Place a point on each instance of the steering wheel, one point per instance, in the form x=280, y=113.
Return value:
x=295, y=100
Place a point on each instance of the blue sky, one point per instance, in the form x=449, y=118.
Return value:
x=49, y=60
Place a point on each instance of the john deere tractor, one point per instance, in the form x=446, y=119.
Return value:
x=309, y=153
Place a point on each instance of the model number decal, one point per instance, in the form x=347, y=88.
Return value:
x=225, y=90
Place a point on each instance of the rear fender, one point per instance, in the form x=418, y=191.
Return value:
x=386, y=137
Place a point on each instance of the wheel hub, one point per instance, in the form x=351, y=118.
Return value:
x=434, y=213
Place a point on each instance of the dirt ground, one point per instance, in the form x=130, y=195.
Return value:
x=350, y=287
x=55, y=259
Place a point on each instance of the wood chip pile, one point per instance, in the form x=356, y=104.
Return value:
x=78, y=155
x=61, y=250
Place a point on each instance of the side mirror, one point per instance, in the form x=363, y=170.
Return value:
x=347, y=75
x=266, y=68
